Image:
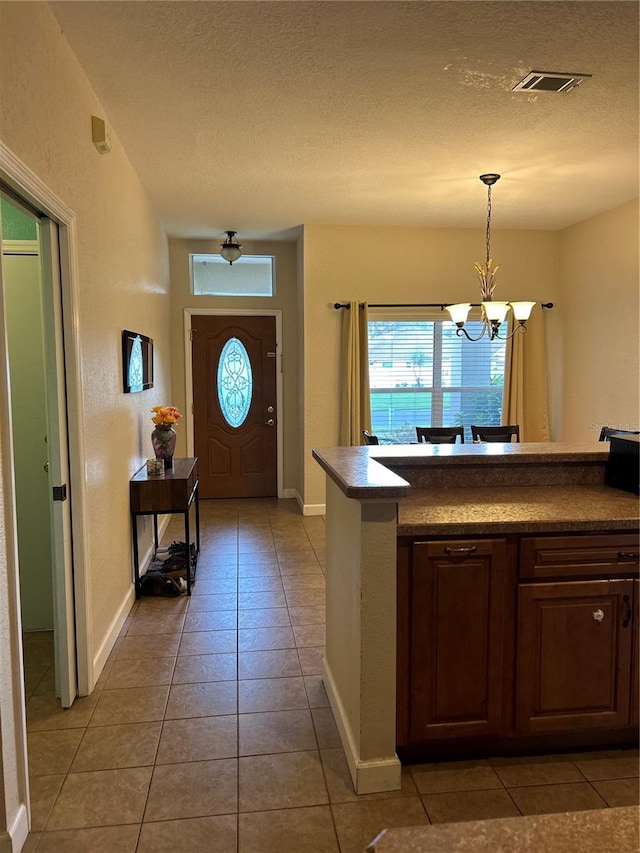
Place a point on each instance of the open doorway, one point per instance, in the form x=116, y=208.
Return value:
x=40, y=449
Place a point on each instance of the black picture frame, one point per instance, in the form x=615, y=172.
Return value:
x=137, y=362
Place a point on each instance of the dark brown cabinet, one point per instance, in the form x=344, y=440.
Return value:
x=517, y=640
x=574, y=655
x=457, y=638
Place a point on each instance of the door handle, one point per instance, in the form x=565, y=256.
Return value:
x=627, y=617
x=60, y=492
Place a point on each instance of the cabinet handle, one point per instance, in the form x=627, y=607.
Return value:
x=469, y=549
x=627, y=618
x=598, y=615
x=628, y=555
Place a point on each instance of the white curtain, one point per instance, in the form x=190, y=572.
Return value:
x=525, y=399
x=355, y=411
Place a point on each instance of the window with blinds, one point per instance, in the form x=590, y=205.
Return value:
x=422, y=374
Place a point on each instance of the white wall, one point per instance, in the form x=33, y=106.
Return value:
x=381, y=265
x=45, y=119
x=599, y=312
x=46, y=104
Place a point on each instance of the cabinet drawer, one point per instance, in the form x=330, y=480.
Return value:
x=614, y=555
x=170, y=493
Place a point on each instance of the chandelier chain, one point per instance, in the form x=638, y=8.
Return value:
x=488, y=238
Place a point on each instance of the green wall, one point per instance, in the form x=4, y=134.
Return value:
x=23, y=311
x=15, y=224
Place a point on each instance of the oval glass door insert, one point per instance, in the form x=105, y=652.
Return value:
x=235, y=382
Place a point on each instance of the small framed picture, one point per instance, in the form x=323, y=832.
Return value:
x=137, y=362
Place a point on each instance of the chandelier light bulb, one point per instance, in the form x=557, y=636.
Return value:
x=459, y=312
x=522, y=310
x=496, y=311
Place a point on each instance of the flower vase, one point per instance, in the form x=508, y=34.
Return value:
x=163, y=439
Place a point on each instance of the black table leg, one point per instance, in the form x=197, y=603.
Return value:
x=136, y=557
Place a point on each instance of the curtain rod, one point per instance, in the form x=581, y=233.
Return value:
x=440, y=305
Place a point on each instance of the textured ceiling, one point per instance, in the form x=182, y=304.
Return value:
x=261, y=116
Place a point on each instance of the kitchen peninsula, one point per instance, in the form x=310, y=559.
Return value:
x=477, y=594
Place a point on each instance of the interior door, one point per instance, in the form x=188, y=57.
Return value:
x=57, y=441
x=234, y=398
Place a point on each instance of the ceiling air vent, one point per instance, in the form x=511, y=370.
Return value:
x=549, y=81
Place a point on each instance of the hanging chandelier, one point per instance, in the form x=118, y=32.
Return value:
x=493, y=313
x=230, y=250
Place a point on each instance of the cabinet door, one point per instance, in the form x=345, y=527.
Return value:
x=574, y=655
x=457, y=638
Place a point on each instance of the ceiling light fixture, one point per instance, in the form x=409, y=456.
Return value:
x=493, y=313
x=231, y=250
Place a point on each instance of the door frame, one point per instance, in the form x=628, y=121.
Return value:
x=188, y=374
x=29, y=187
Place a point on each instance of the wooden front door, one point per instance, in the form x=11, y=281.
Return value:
x=234, y=397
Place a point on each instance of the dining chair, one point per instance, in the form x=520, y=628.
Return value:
x=606, y=432
x=504, y=433
x=440, y=435
x=369, y=438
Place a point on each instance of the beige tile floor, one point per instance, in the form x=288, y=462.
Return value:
x=209, y=730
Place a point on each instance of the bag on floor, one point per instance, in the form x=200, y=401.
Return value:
x=157, y=583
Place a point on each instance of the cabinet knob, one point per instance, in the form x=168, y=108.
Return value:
x=628, y=555
x=598, y=615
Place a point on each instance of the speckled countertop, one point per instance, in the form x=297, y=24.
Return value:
x=459, y=490
x=598, y=831
x=365, y=472
x=529, y=509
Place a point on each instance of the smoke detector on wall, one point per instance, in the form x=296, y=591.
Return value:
x=549, y=81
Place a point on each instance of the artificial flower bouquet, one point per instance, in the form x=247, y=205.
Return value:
x=165, y=415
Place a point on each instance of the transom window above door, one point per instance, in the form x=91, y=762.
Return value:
x=250, y=275
x=422, y=374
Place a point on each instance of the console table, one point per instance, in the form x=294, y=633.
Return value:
x=175, y=491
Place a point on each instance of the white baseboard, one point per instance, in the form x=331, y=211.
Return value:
x=309, y=509
x=314, y=509
x=287, y=494
x=12, y=841
x=113, y=631
x=368, y=776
